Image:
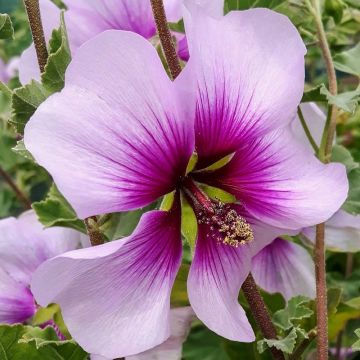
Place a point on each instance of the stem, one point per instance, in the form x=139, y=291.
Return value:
x=296, y=355
x=92, y=227
x=166, y=39
x=20, y=195
x=325, y=150
x=321, y=293
x=260, y=313
x=33, y=13
x=324, y=156
x=307, y=131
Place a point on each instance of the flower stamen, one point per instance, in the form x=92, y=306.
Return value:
x=226, y=225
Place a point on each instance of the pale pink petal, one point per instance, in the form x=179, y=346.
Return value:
x=215, y=278
x=171, y=349
x=25, y=244
x=115, y=298
x=281, y=182
x=342, y=232
x=16, y=301
x=286, y=268
x=117, y=137
x=247, y=72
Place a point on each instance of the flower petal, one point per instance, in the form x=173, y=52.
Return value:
x=342, y=232
x=214, y=282
x=24, y=244
x=87, y=18
x=16, y=301
x=280, y=182
x=171, y=349
x=115, y=298
x=117, y=132
x=286, y=268
x=315, y=120
x=247, y=69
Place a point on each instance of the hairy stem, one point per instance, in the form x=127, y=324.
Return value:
x=166, y=40
x=95, y=235
x=307, y=131
x=33, y=13
x=260, y=313
x=324, y=156
x=20, y=195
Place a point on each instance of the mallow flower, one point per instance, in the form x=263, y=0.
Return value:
x=24, y=245
x=286, y=267
x=121, y=134
x=86, y=18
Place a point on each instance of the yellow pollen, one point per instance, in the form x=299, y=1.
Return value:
x=227, y=226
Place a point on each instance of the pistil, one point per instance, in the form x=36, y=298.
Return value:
x=225, y=224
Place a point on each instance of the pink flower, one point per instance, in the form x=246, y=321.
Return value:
x=24, y=245
x=87, y=18
x=120, y=135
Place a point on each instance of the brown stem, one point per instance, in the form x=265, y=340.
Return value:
x=166, y=39
x=96, y=236
x=296, y=355
x=324, y=156
x=33, y=13
x=21, y=196
x=321, y=293
x=260, y=313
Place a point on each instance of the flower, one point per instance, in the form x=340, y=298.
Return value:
x=286, y=268
x=85, y=19
x=24, y=245
x=9, y=70
x=121, y=134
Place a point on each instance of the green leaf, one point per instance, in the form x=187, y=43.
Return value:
x=286, y=345
x=352, y=204
x=314, y=94
x=5, y=90
x=123, y=224
x=296, y=310
x=356, y=345
x=53, y=76
x=342, y=155
x=189, y=225
x=346, y=101
x=179, y=296
x=335, y=9
x=56, y=211
x=177, y=27
x=44, y=314
x=348, y=61
x=21, y=150
x=19, y=342
x=25, y=101
x=6, y=27
x=218, y=194
x=333, y=299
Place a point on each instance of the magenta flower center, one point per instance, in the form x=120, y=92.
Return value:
x=224, y=223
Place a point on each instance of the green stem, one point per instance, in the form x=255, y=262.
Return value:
x=307, y=131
